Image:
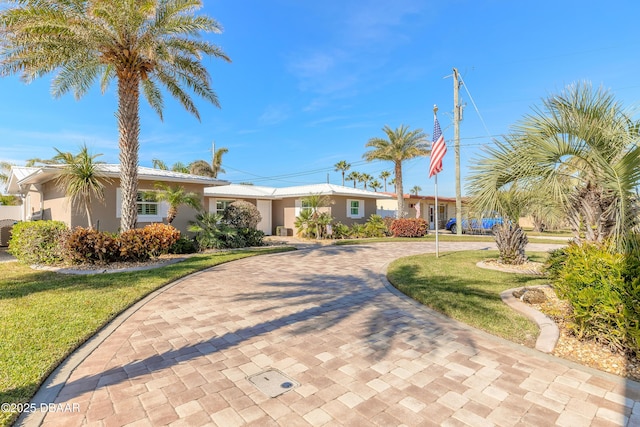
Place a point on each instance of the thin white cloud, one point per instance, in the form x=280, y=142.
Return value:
x=274, y=114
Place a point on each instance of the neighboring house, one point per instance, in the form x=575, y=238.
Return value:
x=43, y=199
x=422, y=207
x=279, y=207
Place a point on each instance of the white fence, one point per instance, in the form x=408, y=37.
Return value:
x=11, y=212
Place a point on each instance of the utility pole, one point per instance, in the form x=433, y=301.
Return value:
x=456, y=149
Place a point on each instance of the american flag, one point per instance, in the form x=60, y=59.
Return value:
x=438, y=149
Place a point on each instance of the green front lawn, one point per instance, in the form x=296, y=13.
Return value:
x=453, y=285
x=45, y=315
x=442, y=237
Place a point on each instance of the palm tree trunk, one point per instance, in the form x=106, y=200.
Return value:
x=399, y=191
x=87, y=207
x=129, y=130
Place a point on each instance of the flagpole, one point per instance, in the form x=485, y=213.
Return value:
x=435, y=110
x=436, y=225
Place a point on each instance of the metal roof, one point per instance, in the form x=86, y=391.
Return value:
x=20, y=176
x=258, y=192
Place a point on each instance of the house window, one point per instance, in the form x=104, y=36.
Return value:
x=147, y=204
x=222, y=205
x=301, y=205
x=355, y=208
x=305, y=205
x=149, y=210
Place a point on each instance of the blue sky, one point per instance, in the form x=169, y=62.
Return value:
x=311, y=82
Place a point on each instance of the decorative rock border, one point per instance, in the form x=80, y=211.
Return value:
x=549, y=332
x=508, y=269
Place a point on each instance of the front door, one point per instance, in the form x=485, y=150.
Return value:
x=432, y=217
x=264, y=207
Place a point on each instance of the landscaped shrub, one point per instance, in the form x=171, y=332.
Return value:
x=184, y=246
x=602, y=293
x=358, y=231
x=387, y=223
x=375, y=226
x=38, y=242
x=211, y=232
x=340, y=231
x=242, y=214
x=86, y=245
x=140, y=244
x=409, y=227
x=251, y=237
x=159, y=238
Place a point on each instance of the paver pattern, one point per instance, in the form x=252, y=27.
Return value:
x=362, y=355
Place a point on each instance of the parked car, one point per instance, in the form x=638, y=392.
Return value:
x=478, y=225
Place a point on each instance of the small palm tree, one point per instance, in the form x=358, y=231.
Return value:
x=36, y=160
x=202, y=168
x=311, y=218
x=143, y=45
x=415, y=190
x=10, y=200
x=81, y=179
x=353, y=176
x=5, y=167
x=401, y=145
x=580, y=152
x=342, y=166
x=384, y=175
x=211, y=231
x=176, y=167
x=175, y=197
x=375, y=185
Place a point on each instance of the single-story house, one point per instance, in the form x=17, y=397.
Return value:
x=43, y=199
x=416, y=206
x=279, y=207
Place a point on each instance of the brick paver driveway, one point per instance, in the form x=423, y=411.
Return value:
x=361, y=354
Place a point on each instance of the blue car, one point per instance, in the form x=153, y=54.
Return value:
x=475, y=225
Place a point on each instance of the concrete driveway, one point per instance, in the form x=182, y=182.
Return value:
x=355, y=352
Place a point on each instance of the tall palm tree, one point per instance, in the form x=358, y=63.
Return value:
x=579, y=151
x=365, y=178
x=415, y=190
x=81, y=179
x=353, y=176
x=216, y=166
x=342, y=166
x=142, y=44
x=176, y=196
x=401, y=145
x=384, y=175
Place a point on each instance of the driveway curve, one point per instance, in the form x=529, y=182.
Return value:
x=359, y=352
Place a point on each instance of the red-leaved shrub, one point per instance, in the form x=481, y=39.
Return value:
x=86, y=245
x=409, y=227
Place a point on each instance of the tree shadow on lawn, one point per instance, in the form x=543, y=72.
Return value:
x=380, y=320
x=476, y=302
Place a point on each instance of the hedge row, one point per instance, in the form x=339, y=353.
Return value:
x=51, y=242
